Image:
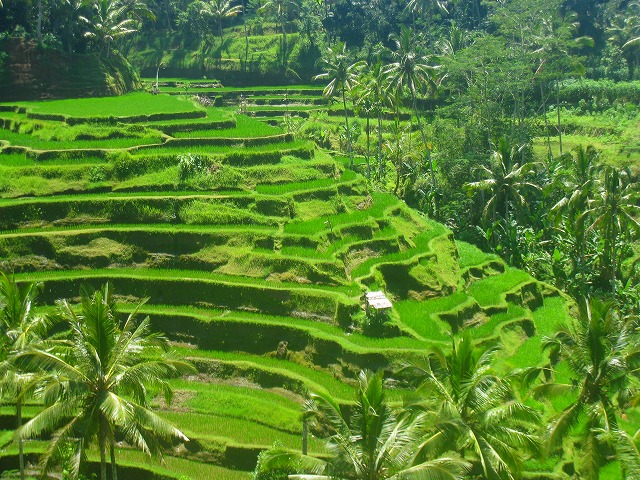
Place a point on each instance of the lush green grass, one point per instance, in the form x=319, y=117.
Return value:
x=246, y=127
x=314, y=379
x=381, y=201
x=222, y=150
x=132, y=104
x=236, y=430
x=251, y=404
x=471, y=256
x=32, y=141
x=177, y=275
x=421, y=316
x=491, y=290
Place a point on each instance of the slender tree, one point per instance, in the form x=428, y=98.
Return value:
x=220, y=10
x=506, y=178
x=474, y=410
x=99, y=386
x=342, y=76
x=600, y=349
x=411, y=71
x=616, y=215
x=21, y=329
x=112, y=20
x=375, y=443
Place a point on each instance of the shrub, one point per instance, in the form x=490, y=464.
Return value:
x=190, y=165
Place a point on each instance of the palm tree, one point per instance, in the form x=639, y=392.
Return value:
x=506, y=179
x=474, y=411
x=21, y=329
x=280, y=9
x=411, y=71
x=99, y=384
x=579, y=182
x=114, y=19
x=600, y=349
x=616, y=213
x=342, y=76
x=220, y=10
x=423, y=8
x=375, y=92
x=374, y=444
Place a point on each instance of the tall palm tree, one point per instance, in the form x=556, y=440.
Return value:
x=20, y=329
x=600, y=349
x=220, y=10
x=342, y=76
x=506, y=179
x=411, y=71
x=114, y=19
x=99, y=384
x=375, y=91
x=281, y=9
x=374, y=444
x=616, y=214
x=579, y=181
x=474, y=410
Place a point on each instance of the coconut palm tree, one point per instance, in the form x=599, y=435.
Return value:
x=21, y=329
x=375, y=92
x=281, y=9
x=374, y=444
x=506, y=179
x=114, y=19
x=600, y=349
x=474, y=411
x=615, y=214
x=411, y=71
x=98, y=384
x=220, y=10
x=342, y=76
x=578, y=180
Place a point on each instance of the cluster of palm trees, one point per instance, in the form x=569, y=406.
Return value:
x=92, y=371
x=465, y=419
x=587, y=216
x=409, y=74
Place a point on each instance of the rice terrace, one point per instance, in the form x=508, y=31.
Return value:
x=260, y=240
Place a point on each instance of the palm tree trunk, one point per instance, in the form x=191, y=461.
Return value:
x=102, y=445
x=546, y=120
x=368, y=147
x=220, y=32
x=284, y=43
x=20, y=440
x=346, y=121
x=432, y=174
x=39, y=22
x=380, y=162
x=558, y=112
x=114, y=469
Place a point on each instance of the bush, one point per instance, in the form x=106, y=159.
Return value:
x=190, y=165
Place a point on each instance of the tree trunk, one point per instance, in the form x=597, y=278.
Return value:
x=380, y=160
x=368, y=148
x=102, y=445
x=558, y=112
x=114, y=469
x=20, y=440
x=346, y=121
x=305, y=433
x=39, y=22
x=546, y=120
x=284, y=42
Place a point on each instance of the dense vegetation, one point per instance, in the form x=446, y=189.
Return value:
x=254, y=219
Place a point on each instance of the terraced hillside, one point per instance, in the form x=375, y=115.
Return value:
x=243, y=237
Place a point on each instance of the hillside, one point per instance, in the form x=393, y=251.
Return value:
x=243, y=237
